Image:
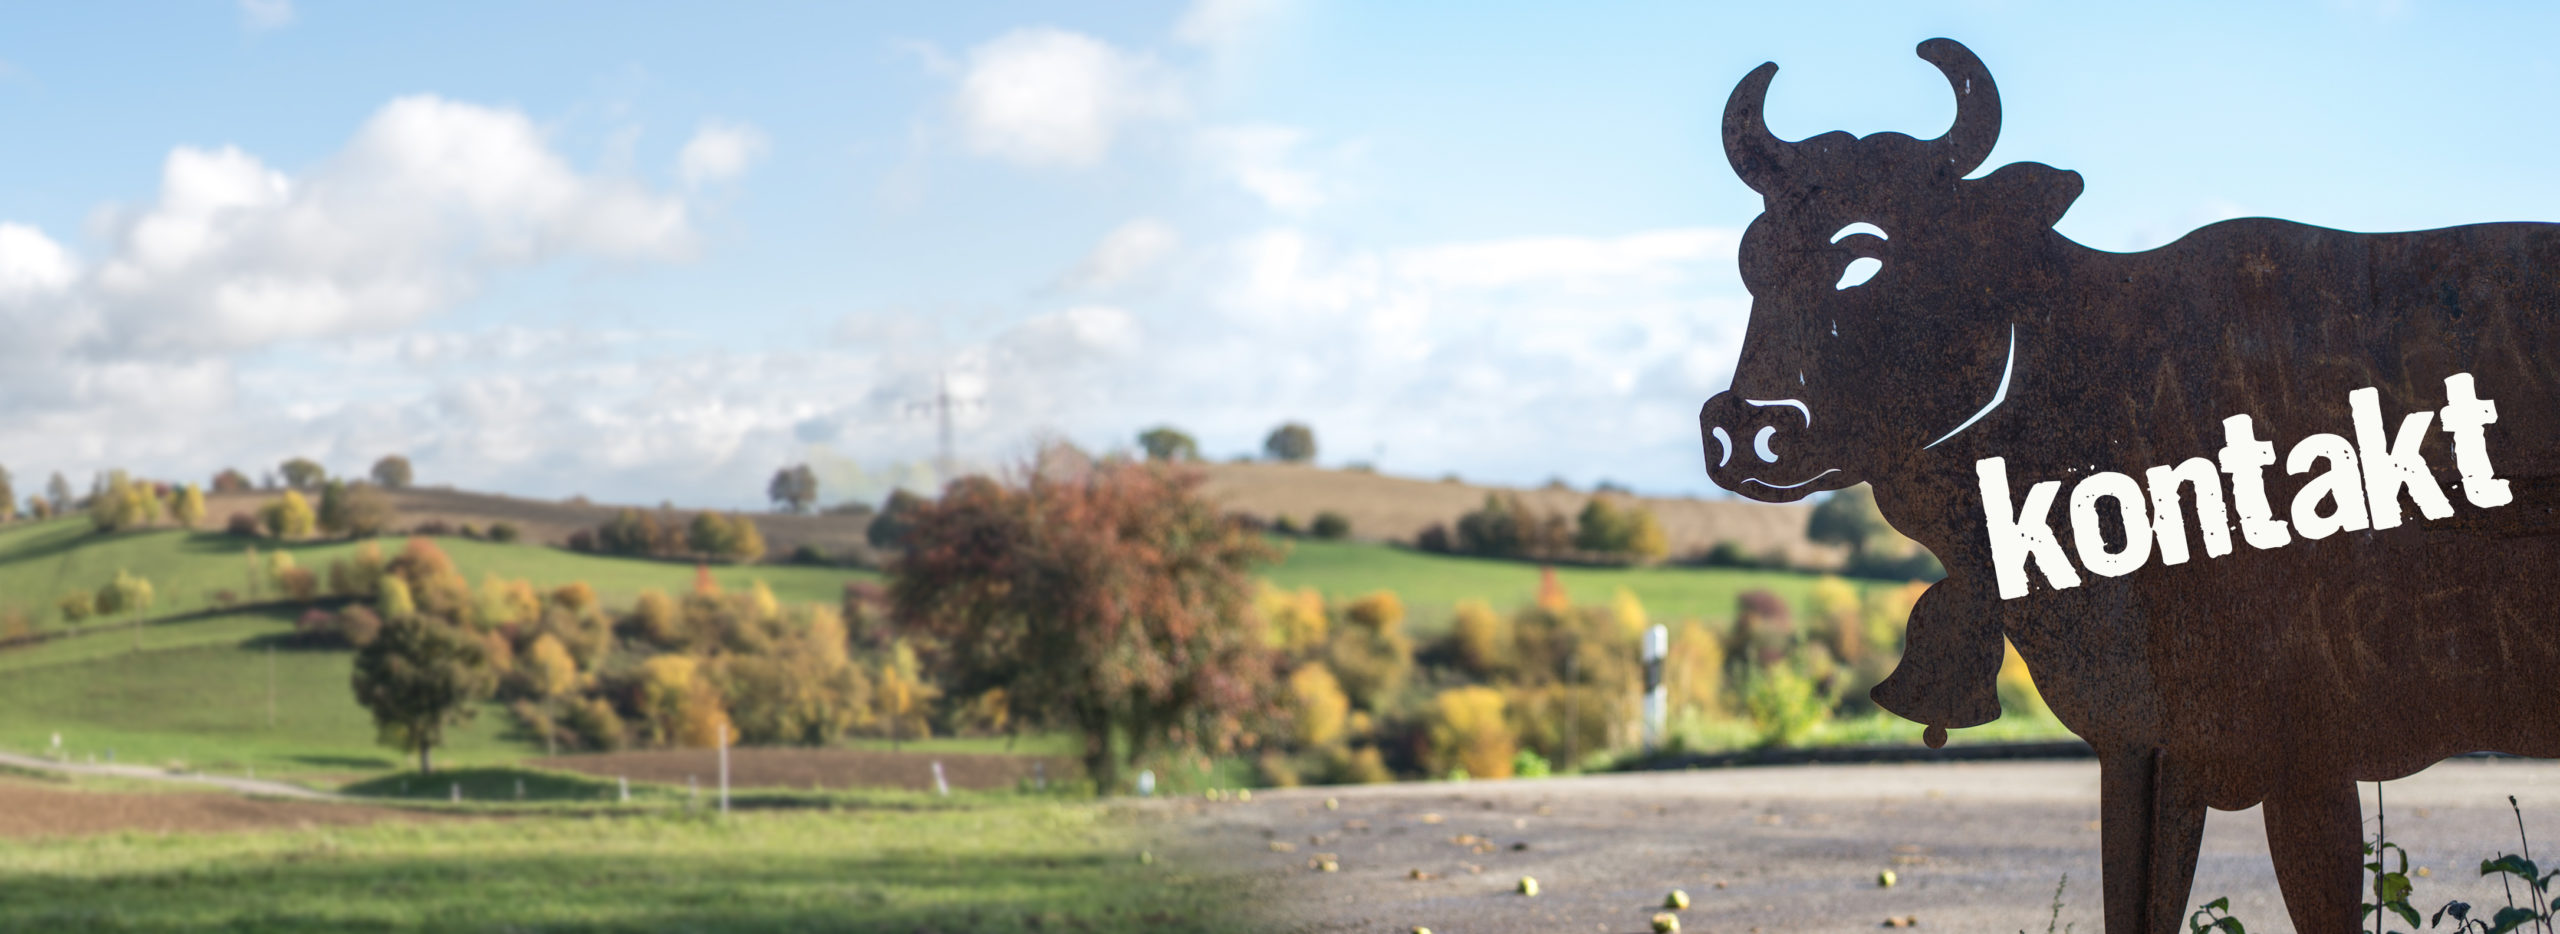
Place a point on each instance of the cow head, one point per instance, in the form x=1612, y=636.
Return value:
x=1885, y=287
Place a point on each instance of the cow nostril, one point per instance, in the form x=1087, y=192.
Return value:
x=1725, y=442
x=1760, y=443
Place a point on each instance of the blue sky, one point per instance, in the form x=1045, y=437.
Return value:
x=654, y=251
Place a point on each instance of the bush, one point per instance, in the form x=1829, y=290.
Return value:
x=241, y=525
x=1785, y=705
x=1529, y=764
x=359, y=625
x=1330, y=525
x=432, y=527
x=127, y=593
x=504, y=533
x=1317, y=706
x=1468, y=730
x=808, y=554
x=1435, y=538
x=76, y=606
x=583, y=541
x=1283, y=525
x=289, y=516
x=298, y=583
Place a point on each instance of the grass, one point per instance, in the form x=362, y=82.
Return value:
x=986, y=865
x=1431, y=585
x=197, y=695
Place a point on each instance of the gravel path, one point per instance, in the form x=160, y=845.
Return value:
x=243, y=785
x=1974, y=846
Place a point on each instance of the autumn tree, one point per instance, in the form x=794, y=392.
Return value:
x=356, y=510
x=392, y=471
x=230, y=480
x=189, y=508
x=1167, y=443
x=1111, y=600
x=8, y=496
x=889, y=529
x=123, y=504
x=303, y=473
x=419, y=676
x=1293, y=442
x=288, y=516
x=794, y=489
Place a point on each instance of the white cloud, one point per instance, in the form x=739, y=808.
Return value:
x=1049, y=97
x=32, y=265
x=1225, y=23
x=428, y=197
x=719, y=152
x=1129, y=253
x=263, y=15
x=1261, y=160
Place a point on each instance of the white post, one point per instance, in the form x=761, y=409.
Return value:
x=625, y=781
x=940, y=787
x=1657, y=697
x=724, y=768
x=457, y=792
x=271, y=687
x=1146, y=783
x=693, y=787
x=519, y=789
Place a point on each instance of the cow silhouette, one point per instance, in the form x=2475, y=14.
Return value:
x=2267, y=511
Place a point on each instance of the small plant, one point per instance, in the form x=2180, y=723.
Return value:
x=1527, y=763
x=2214, y=917
x=2051, y=921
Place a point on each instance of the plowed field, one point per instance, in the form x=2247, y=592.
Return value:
x=34, y=809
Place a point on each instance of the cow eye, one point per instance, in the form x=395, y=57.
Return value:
x=1860, y=270
x=1861, y=227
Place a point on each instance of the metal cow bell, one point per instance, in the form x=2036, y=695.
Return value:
x=2268, y=511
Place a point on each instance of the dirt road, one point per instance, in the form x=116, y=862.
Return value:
x=1974, y=846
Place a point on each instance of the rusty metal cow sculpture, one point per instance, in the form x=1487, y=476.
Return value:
x=2268, y=511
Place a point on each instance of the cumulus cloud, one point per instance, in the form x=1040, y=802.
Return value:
x=1050, y=97
x=263, y=15
x=1262, y=159
x=719, y=152
x=1129, y=253
x=1224, y=23
x=429, y=196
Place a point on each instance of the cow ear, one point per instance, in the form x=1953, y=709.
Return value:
x=2038, y=192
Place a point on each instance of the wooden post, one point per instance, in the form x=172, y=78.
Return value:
x=724, y=768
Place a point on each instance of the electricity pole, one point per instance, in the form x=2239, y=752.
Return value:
x=941, y=408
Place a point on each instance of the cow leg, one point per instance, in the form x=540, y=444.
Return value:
x=2315, y=833
x=2150, y=825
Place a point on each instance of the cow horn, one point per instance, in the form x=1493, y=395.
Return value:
x=1977, y=125
x=1758, y=156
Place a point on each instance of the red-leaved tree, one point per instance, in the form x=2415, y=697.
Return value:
x=1111, y=599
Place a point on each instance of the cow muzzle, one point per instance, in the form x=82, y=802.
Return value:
x=1760, y=448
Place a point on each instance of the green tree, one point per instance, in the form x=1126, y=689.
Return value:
x=1167, y=443
x=122, y=505
x=1602, y=527
x=303, y=473
x=1330, y=525
x=889, y=529
x=288, y=516
x=127, y=593
x=746, y=542
x=420, y=676
x=392, y=471
x=189, y=509
x=1293, y=442
x=629, y=532
x=1112, y=601
x=356, y=510
x=794, y=489
x=711, y=535
x=1847, y=518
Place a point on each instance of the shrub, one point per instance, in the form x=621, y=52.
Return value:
x=504, y=533
x=583, y=541
x=1529, y=764
x=76, y=606
x=1360, y=766
x=1317, y=706
x=1483, y=639
x=1283, y=525
x=432, y=527
x=359, y=625
x=888, y=530
x=241, y=525
x=595, y=724
x=1435, y=538
x=470, y=531
x=574, y=596
x=1468, y=730
x=808, y=554
x=1330, y=525
x=128, y=592
x=1784, y=704
x=298, y=583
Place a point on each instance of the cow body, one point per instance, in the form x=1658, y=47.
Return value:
x=2274, y=675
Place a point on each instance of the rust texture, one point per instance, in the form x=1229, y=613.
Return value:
x=2057, y=424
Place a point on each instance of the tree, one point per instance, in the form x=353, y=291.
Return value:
x=1293, y=442
x=288, y=516
x=1113, y=601
x=8, y=496
x=303, y=473
x=889, y=529
x=122, y=505
x=1330, y=525
x=392, y=471
x=794, y=489
x=711, y=535
x=1848, y=518
x=356, y=510
x=59, y=491
x=1167, y=443
x=230, y=480
x=418, y=677
x=746, y=542
x=189, y=509
x=629, y=532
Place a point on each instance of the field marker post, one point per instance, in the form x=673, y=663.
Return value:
x=940, y=787
x=693, y=787
x=625, y=781
x=1657, y=646
x=519, y=788
x=1039, y=775
x=271, y=686
x=457, y=792
x=724, y=768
